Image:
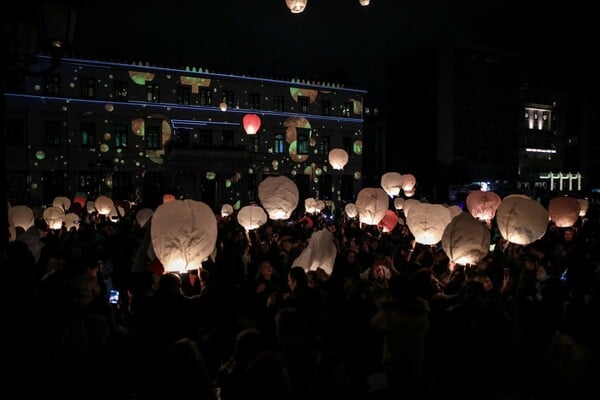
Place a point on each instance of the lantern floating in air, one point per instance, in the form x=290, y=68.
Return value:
x=143, y=216
x=391, y=182
x=483, y=205
x=319, y=206
x=521, y=220
x=251, y=217
x=372, y=204
x=80, y=198
x=21, y=216
x=310, y=205
x=408, y=183
x=351, y=210
x=279, y=196
x=167, y=197
x=54, y=217
x=466, y=240
x=223, y=106
x=90, y=206
x=72, y=220
x=427, y=222
x=398, y=203
x=564, y=211
x=388, y=222
x=116, y=213
x=226, y=210
x=583, y=207
x=320, y=252
x=183, y=234
x=62, y=202
x=455, y=211
x=338, y=158
x=104, y=205
x=296, y=6
x=408, y=204
x=251, y=123
x=364, y=2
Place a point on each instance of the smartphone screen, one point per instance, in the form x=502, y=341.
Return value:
x=113, y=297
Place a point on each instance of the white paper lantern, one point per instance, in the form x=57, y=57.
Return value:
x=62, y=202
x=183, y=234
x=466, y=240
x=391, y=182
x=310, y=205
x=427, y=222
x=296, y=6
x=251, y=217
x=90, y=206
x=72, y=220
x=371, y=203
x=319, y=206
x=564, y=211
x=483, y=205
x=143, y=216
x=54, y=217
x=116, y=213
x=104, y=205
x=21, y=216
x=455, y=211
x=408, y=204
x=279, y=196
x=364, y=3
x=351, y=210
x=320, y=252
x=226, y=210
x=583, y=207
x=338, y=158
x=398, y=203
x=408, y=183
x=409, y=193
x=521, y=220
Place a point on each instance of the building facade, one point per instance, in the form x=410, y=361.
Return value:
x=137, y=132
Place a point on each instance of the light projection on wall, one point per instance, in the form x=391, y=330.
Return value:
x=195, y=82
x=140, y=78
x=137, y=127
x=109, y=107
x=357, y=147
x=40, y=155
x=357, y=106
x=310, y=93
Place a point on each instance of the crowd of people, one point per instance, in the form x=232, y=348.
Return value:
x=395, y=319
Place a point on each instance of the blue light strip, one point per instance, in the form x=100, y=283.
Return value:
x=167, y=106
x=201, y=123
x=203, y=74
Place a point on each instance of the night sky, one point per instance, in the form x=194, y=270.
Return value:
x=332, y=40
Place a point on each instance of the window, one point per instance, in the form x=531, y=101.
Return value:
x=228, y=139
x=279, y=144
x=302, y=140
x=324, y=145
x=205, y=97
x=52, y=132
x=254, y=145
x=88, y=87
x=121, y=90
x=253, y=101
x=229, y=98
x=326, y=107
x=52, y=85
x=182, y=138
x=303, y=102
x=121, y=184
x=121, y=135
x=15, y=131
x=347, y=109
x=152, y=137
x=278, y=103
x=347, y=144
x=88, y=134
x=152, y=92
x=183, y=94
x=205, y=138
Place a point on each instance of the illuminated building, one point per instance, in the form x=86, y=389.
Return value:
x=133, y=130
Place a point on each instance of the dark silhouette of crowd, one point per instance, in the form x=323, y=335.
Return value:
x=394, y=319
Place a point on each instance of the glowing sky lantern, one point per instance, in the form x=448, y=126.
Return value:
x=372, y=204
x=466, y=240
x=54, y=217
x=103, y=205
x=279, y=196
x=21, y=216
x=364, y=2
x=116, y=213
x=62, y=202
x=167, y=197
x=223, y=106
x=408, y=204
x=563, y=211
x=338, y=158
x=226, y=210
x=320, y=252
x=408, y=182
x=584, y=204
x=427, y=222
x=455, y=211
x=388, y=222
x=296, y=6
x=319, y=205
x=391, y=182
x=409, y=193
x=521, y=220
x=310, y=205
x=483, y=205
x=72, y=220
x=183, y=234
x=143, y=216
x=398, y=203
x=351, y=210
x=80, y=198
x=251, y=217
x=251, y=123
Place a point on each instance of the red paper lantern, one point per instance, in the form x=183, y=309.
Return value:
x=251, y=123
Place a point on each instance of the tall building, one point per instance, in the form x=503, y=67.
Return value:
x=137, y=132
x=467, y=114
